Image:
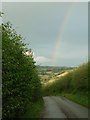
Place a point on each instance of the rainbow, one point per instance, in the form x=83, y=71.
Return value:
x=60, y=35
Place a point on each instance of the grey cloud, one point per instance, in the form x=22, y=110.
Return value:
x=41, y=22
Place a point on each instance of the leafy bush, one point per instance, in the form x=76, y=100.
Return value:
x=80, y=78
x=21, y=84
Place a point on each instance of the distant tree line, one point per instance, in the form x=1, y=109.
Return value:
x=54, y=69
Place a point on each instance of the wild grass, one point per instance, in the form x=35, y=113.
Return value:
x=74, y=85
x=34, y=110
x=78, y=98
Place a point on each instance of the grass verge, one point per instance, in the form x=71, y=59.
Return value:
x=34, y=110
x=78, y=98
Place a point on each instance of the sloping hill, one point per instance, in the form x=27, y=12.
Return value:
x=73, y=84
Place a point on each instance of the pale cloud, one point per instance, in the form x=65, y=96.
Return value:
x=0, y=11
x=41, y=60
x=0, y=20
x=0, y=6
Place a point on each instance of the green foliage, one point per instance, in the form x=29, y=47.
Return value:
x=80, y=78
x=34, y=110
x=73, y=83
x=64, y=84
x=78, y=98
x=21, y=84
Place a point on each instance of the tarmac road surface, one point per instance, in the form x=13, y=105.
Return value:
x=60, y=107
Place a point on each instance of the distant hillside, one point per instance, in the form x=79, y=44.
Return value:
x=73, y=84
x=53, y=68
x=47, y=73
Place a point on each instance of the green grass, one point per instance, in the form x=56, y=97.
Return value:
x=78, y=98
x=73, y=85
x=34, y=110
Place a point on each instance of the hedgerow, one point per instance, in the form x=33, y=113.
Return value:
x=20, y=82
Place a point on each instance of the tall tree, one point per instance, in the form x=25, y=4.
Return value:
x=21, y=83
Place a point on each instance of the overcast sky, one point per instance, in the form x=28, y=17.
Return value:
x=57, y=32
